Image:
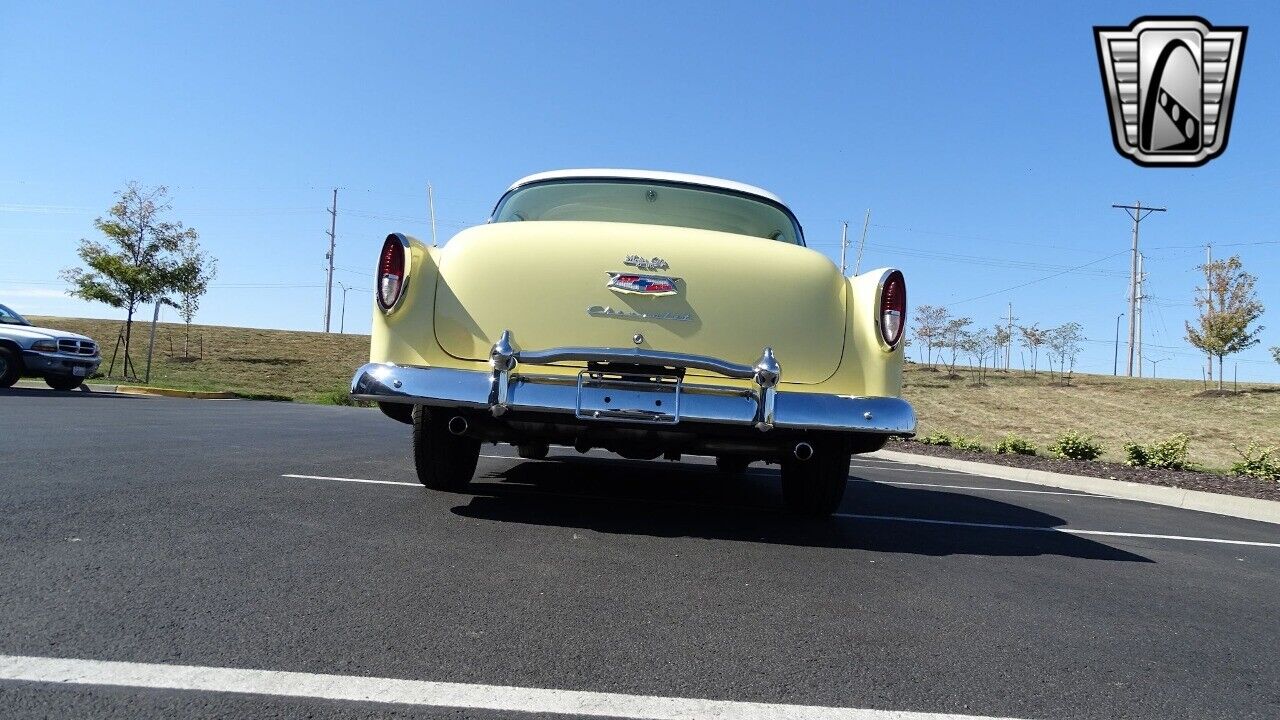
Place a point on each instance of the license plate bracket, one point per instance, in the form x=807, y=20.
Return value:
x=648, y=399
x=79, y=371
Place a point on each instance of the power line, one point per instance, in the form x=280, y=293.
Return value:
x=1038, y=280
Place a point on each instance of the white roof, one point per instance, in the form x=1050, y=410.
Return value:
x=613, y=173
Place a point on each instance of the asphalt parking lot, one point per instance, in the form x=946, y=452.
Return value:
x=292, y=538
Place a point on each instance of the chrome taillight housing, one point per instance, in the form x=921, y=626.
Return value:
x=892, y=313
x=393, y=271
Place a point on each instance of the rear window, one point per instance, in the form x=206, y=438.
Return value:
x=649, y=203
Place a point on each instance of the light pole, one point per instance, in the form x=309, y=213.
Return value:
x=342, y=319
x=1153, y=366
x=1115, y=361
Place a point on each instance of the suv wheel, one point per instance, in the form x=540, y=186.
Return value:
x=815, y=487
x=63, y=382
x=444, y=461
x=10, y=367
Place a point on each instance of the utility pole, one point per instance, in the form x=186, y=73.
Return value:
x=1208, y=258
x=342, y=318
x=1115, y=354
x=431, y=206
x=328, y=283
x=866, y=220
x=1141, y=296
x=1008, y=342
x=844, y=246
x=1137, y=213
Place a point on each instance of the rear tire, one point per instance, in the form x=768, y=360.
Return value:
x=10, y=367
x=815, y=487
x=534, y=451
x=444, y=461
x=63, y=382
x=733, y=466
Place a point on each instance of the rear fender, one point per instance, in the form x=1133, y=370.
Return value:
x=405, y=334
x=867, y=366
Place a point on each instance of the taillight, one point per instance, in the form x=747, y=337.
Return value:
x=893, y=308
x=391, y=271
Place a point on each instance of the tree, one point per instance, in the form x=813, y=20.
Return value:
x=953, y=338
x=978, y=345
x=139, y=259
x=1228, y=307
x=1275, y=353
x=1064, y=341
x=1032, y=337
x=930, y=323
x=1001, y=337
x=191, y=281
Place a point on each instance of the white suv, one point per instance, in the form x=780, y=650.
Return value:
x=64, y=359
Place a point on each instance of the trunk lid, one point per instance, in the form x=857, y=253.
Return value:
x=546, y=282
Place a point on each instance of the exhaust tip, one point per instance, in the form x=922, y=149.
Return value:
x=458, y=425
x=802, y=451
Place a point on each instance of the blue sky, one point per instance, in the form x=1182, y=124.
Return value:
x=976, y=134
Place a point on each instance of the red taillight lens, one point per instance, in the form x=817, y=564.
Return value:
x=893, y=308
x=391, y=273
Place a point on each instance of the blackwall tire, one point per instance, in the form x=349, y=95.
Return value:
x=63, y=382
x=10, y=367
x=815, y=487
x=533, y=451
x=444, y=461
x=732, y=466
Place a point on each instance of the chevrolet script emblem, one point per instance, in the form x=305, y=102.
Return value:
x=642, y=263
x=1170, y=84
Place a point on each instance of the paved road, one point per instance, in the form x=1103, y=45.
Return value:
x=169, y=532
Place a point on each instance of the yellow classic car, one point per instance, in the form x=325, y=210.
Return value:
x=649, y=314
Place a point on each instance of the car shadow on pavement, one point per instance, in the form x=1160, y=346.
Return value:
x=671, y=500
x=80, y=392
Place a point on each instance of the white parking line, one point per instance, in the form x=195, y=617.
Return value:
x=354, y=480
x=886, y=518
x=1068, y=531
x=890, y=468
x=394, y=691
x=985, y=489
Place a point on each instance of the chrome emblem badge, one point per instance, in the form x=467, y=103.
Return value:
x=642, y=263
x=1170, y=84
x=604, y=311
x=633, y=284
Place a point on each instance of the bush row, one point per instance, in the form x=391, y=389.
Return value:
x=1256, y=461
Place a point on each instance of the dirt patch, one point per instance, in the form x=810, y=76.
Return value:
x=1185, y=479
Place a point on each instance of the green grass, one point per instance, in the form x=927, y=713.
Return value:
x=262, y=364
x=316, y=367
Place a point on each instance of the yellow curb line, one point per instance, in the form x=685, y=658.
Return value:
x=167, y=392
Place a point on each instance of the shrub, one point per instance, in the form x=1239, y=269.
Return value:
x=1074, y=446
x=960, y=442
x=1257, y=462
x=1168, y=454
x=1013, y=445
x=937, y=438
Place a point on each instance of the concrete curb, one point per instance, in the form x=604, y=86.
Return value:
x=167, y=392
x=1267, y=511
x=87, y=387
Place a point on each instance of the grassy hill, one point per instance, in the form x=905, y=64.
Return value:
x=274, y=364
x=315, y=367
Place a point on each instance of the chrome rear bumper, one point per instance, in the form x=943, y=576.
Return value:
x=503, y=390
